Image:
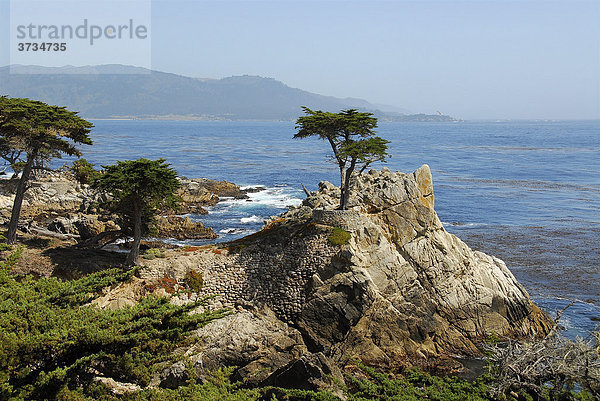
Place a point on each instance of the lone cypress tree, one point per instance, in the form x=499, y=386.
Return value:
x=32, y=133
x=351, y=135
x=139, y=188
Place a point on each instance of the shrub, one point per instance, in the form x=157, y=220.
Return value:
x=339, y=237
x=154, y=253
x=12, y=258
x=50, y=339
x=194, y=280
x=415, y=385
x=169, y=284
x=84, y=171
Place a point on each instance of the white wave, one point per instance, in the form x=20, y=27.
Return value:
x=275, y=197
x=257, y=187
x=279, y=198
x=459, y=224
x=253, y=219
x=235, y=231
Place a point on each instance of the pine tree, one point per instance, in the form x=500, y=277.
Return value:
x=351, y=135
x=31, y=134
x=139, y=188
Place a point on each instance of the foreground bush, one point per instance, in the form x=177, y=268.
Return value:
x=53, y=342
x=372, y=386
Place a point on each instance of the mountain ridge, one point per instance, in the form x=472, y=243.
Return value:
x=117, y=91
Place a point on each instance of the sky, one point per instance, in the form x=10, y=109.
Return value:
x=469, y=59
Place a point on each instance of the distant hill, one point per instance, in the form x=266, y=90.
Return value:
x=117, y=91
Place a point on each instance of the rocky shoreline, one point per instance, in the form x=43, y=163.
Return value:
x=398, y=291
x=57, y=204
x=317, y=289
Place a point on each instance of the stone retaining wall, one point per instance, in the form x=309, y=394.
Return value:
x=278, y=277
x=349, y=220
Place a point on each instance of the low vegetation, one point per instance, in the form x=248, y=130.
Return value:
x=154, y=253
x=413, y=386
x=84, y=171
x=53, y=342
x=339, y=236
x=194, y=280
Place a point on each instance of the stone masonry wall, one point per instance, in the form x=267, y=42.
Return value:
x=349, y=220
x=277, y=276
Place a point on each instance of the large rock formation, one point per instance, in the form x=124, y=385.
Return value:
x=402, y=291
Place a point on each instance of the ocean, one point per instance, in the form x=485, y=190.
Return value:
x=526, y=192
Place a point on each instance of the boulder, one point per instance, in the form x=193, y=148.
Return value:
x=85, y=226
x=254, y=341
x=199, y=192
x=309, y=372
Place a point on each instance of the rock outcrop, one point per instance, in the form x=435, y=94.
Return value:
x=50, y=194
x=198, y=192
x=58, y=203
x=182, y=228
x=400, y=291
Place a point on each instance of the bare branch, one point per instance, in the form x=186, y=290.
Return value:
x=552, y=364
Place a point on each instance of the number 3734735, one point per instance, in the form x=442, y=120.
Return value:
x=41, y=47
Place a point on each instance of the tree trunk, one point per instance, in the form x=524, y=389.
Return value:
x=346, y=192
x=134, y=255
x=11, y=236
x=342, y=188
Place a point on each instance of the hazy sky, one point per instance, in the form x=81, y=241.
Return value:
x=470, y=59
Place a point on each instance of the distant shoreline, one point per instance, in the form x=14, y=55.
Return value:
x=214, y=119
x=185, y=118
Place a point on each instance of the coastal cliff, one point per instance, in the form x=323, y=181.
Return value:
x=318, y=289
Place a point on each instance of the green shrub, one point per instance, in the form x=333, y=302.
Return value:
x=12, y=258
x=194, y=280
x=154, y=253
x=415, y=385
x=84, y=171
x=339, y=237
x=50, y=338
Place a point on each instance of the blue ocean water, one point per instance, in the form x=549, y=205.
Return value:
x=526, y=192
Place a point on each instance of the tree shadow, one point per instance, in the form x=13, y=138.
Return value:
x=71, y=263
x=38, y=242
